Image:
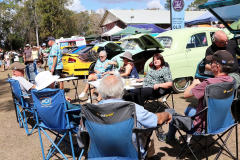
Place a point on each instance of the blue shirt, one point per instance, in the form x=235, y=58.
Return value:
x=144, y=118
x=55, y=52
x=100, y=66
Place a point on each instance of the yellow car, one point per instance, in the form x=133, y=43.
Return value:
x=84, y=60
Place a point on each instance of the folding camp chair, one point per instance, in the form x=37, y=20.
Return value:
x=31, y=72
x=219, y=120
x=19, y=100
x=50, y=107
x=107, y=131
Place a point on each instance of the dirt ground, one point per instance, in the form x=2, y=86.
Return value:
x=15, y=144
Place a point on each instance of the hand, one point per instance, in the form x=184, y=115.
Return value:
x=169, y=118
x=104, y=74
x=196, y=82
x=68, y=99
x=52, y=70
x=156, y=86
x=106, y=65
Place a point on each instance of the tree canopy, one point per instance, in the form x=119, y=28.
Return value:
x=21, y=19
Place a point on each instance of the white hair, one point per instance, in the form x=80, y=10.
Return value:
x=103, y=52
x=111, y=88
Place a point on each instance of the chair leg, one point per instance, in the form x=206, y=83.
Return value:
x=236, y=141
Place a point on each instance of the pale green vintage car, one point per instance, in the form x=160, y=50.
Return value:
x=184, y=48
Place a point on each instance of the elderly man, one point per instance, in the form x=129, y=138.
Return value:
x=26, y=86
x=222, y=43
x=27, y=52
x=102, y=65
x=221, y=63
x=111, y=89
x=55, y=64
x=44, y=55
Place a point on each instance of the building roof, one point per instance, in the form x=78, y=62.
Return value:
x=144, y=16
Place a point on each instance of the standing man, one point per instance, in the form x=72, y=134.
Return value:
x=222, y=43
x=44, y=53
x=55, y=64
x=27, y=53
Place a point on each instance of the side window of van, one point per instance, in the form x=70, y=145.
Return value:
x=211, y=35
x=197, y=40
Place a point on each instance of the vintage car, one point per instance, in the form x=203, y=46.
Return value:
x=184, y=48
x=234, y=28
x=84, y=60
x=142, y=47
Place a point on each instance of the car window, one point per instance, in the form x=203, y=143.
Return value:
x=211, y=35
x=197, y=40
x=129, y=44
x=165, y=41
x=84, y=50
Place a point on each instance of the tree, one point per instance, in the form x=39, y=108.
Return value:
x=194, y=5
x=167, y=5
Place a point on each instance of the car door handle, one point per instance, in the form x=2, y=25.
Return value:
x=188, y=50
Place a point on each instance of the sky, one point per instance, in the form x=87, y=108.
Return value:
x=99, y=5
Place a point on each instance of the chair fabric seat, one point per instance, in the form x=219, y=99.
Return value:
x=112, y=158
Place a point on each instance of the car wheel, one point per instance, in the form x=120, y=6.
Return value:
x=181, y=84
x=91, y=68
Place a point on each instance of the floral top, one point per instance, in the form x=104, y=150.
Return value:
x=157, y=76
x=55, y=51
x=123, y=68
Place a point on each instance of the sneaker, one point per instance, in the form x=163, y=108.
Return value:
x=82, y=95
x=89, y=100
x=164, y=138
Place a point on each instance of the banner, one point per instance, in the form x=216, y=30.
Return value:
x=177, y=14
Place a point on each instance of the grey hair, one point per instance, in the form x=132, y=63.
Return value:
x=112, y=88
x=103, y=52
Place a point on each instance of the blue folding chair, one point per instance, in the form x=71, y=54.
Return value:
x=111, y=127
x=25, y=107
x=219, y=119
x=52, y=115
x=31, y=71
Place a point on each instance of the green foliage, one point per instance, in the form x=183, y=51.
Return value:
x=20, y=19
x=167, y=5
x=194, y=5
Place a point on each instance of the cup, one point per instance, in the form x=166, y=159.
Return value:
x=127, y=81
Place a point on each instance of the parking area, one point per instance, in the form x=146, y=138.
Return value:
x=15, y=144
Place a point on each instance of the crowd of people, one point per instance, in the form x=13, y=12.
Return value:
x=220, y=62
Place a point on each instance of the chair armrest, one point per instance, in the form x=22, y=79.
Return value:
x=205, y=109
x=145, y=130
x=78, y=110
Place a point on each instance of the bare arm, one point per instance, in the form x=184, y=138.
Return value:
x=164, y=117
x=188, y=93
x=163, y=85
x=127, y=71
x=34, y=86
x=54, y=63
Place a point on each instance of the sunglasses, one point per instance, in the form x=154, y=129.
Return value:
x=223, y=43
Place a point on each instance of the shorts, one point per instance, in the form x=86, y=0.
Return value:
x=57, y=72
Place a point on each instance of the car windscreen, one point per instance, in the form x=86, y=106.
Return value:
x=165, y=41
x=84, y=50
x=68, y=49
x=129, y=44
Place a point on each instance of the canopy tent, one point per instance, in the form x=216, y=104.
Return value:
x=130, y=30
x=115, y=29
x=151, y=27
x=205, y=18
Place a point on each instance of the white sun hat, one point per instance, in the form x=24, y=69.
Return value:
x=44, y=79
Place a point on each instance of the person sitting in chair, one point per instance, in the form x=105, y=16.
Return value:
x=46, y=80
x=26, y=86
x=221, y=64
x=157, y=80
x=102, y=66
x=111, y=89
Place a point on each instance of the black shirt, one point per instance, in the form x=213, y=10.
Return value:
x=2, y=55
x=231, y=47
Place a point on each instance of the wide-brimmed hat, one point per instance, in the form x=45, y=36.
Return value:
x=127, y=55
x=222, y=57
x=28, y=60
x=17, y=66
x=44, y=79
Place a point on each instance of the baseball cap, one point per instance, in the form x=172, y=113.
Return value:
x=17, y=66
x=222, y=57
x=27, y=45
x=44, y=44
x=51, y=38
